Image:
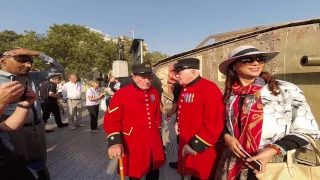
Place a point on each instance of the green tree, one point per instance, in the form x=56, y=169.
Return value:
x=154, y=56
x=7, y=38
x=78, y=49
x=109, y=54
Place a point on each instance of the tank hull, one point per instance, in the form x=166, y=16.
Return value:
x=294, y=40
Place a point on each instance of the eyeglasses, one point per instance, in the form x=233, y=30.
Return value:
x=24, y=61
x=20, y=59
x=250, y=60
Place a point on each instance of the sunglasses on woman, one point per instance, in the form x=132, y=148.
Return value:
x=250, y=60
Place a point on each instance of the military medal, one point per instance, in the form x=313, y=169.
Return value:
x=188, y=97
x=152, y=97
x=192, y=96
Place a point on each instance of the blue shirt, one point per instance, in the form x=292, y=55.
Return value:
x=35, y=78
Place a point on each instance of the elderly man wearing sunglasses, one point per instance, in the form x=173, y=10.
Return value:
x=29, y=142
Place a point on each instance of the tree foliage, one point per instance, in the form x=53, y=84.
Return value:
x=154, y=56
x=77, y=48
x=7, y=38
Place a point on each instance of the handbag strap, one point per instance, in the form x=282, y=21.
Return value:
x=315, y=148
x=290, y=155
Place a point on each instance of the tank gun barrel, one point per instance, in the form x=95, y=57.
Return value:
x=310, y=61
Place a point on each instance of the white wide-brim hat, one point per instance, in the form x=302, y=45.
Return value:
x=244, y=51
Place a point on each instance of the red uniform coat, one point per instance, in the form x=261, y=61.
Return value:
x=133, y=119
x=200, y=114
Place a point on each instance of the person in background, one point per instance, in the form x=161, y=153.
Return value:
x=263, y=116
x=176, y=93
x=49, y=101
x=117, y=85
x=29, y=141
x=155, y=81
x=92, y=98
x=59, y=88
x=110, y=90
x=71, y=92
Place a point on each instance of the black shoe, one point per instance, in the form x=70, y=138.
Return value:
x=49, y=131
x=173, y=165
x=63, y=125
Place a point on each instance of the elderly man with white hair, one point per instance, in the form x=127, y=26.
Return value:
x=133, y=123
x=200, y=117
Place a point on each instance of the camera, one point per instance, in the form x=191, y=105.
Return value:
x=25, y=82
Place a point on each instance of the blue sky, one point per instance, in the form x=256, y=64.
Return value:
x=169, y=26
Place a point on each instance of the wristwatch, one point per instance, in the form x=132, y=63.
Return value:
x=24, y=107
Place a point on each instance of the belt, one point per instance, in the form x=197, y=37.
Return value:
x=34, y=123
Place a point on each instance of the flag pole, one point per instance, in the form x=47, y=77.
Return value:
x=133, y=33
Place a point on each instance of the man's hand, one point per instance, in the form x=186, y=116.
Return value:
x=115, y=151
x=187, y=150
x=10, y=91
x=31, y=98
x=21, y=51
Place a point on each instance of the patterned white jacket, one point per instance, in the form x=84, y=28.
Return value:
x=284, y=114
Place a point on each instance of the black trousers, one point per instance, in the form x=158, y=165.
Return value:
x=51, y=108
x=12, y=167
x=94, y=112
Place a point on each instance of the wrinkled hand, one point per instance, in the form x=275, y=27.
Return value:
x=187, y=150
x=176, y=128
x=10, y=92
x=31, y=97
x=115, y=151
x=234, y=145
x=264, y=157
x=21, y=51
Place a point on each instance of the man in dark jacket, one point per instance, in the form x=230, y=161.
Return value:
x=49, y=101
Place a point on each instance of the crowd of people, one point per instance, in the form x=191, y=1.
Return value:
x=256, y=115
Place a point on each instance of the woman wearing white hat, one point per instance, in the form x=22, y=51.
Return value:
x=264, y=116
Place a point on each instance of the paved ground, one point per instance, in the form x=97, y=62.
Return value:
x=81, y=155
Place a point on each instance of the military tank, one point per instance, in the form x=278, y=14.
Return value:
x=298, y=61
